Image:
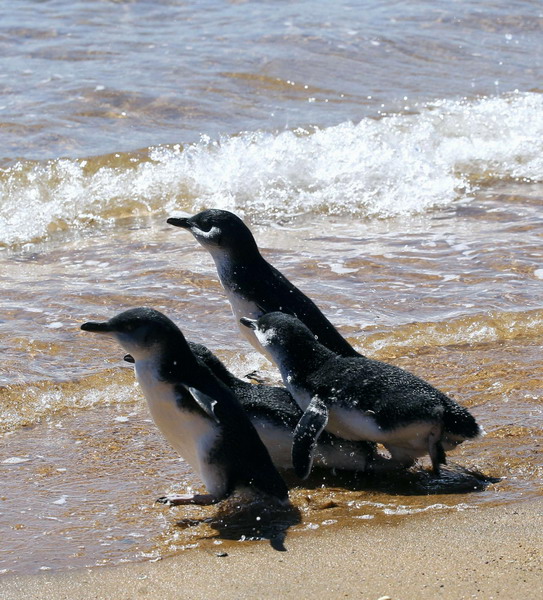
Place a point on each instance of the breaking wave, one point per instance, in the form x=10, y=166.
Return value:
x=399, y=164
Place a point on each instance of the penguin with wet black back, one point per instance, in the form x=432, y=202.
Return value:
x=253, y=286
x=357, y=398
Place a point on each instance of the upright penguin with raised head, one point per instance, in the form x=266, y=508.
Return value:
x=359, y=399
x=274, y=414
x=197, y=413
x=253, y=286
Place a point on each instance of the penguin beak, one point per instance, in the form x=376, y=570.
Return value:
x=97, y=327
x=184, y=223
x=250, y=323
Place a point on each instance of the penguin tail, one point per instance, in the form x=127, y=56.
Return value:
x=459, y=422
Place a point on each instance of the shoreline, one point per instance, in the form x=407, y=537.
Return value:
x=496, y=552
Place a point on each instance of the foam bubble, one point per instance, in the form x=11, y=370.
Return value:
x=15, y=460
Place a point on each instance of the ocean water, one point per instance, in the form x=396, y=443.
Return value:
x=388, y=158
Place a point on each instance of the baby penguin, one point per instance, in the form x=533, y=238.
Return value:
x=275, y=414
x=197, y=413
x=359, y=399
x=252, y=285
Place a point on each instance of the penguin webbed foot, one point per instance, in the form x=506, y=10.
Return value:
x=254, y=376
x=187, y=499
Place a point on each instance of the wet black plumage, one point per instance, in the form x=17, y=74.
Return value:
x=387, y=397
x=276, y=406
x=254, y=279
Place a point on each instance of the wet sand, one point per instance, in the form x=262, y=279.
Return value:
x=495, y=553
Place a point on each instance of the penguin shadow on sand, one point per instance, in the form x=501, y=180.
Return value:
x=239, y=518
x=415, y=481
x=251, y=519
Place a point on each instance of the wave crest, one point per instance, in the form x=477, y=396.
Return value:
x=398, y=164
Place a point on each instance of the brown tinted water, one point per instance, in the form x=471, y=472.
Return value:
x=388, y=157
x=453, y=296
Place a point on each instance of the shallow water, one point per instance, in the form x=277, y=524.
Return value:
x=415, y=224
x=81, y=456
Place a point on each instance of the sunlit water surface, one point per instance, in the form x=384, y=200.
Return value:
x=388, y=159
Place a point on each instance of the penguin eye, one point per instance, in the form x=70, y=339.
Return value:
x=205, y=227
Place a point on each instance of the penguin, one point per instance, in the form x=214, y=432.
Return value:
x=274, y=414
x=197, y=413
x=253, y=286
x=357, y=398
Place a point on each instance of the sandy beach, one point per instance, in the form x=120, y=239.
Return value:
x=491, y=553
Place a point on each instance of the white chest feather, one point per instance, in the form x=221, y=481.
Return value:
x=278, y=441
x=190, y=433
x=355, y=425
x=241, y=307
x=302, y=396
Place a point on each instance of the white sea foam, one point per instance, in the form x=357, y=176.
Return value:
x=398, y=164
x=40, y=403
x=15, y=460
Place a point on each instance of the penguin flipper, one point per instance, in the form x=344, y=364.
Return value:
x=205, y=402
x=306, y=434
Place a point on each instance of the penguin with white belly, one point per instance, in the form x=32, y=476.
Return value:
x=253, y=286
x=359, y=399
x=197, y=413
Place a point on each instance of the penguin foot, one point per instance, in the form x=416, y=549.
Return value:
x=436, y=465
x=185, y=499
x=436, y=451
x=254, y=376
x=400, y=459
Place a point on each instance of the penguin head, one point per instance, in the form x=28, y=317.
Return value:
x=141, y=332
x=278, y=332
x=219, y=230
x=202, y=352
